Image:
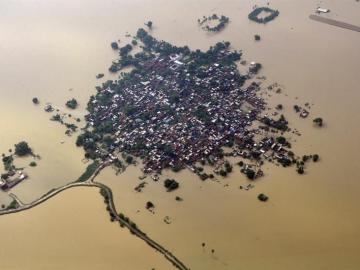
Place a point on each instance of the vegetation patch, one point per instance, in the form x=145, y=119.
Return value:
x=270, y=14
x=213, y=23
x=12, y=205
x=171, y=184
x=33, y=164
x=72, y=104
x=318, y=121
x=90, y=170
x=262, y=197
x=22, y=149
x=35, y=100
x=8, y=162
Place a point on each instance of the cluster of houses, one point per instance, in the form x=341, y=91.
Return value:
x=173, y=117
x=11, y=179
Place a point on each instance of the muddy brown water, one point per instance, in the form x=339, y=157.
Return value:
x=61, y=235
x=310, y=221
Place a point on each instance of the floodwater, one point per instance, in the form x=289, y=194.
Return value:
x=71, y=233
x=310, y=221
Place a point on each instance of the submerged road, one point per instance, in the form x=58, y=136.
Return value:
x=112, y=209
x=335, y=23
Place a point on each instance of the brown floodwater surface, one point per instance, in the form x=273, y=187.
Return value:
x=310, y=222
x=72, y=231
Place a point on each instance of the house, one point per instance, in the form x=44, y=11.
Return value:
x=322, y=10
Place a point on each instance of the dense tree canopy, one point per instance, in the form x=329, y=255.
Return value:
x=22, y=149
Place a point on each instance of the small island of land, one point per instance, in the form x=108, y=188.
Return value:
x=213, y=23
x=178, y=107
x=263, y=15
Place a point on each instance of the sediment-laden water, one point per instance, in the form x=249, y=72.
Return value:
x=309, y=222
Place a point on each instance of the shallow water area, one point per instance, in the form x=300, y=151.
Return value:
x=72, y=231
x=53, y=50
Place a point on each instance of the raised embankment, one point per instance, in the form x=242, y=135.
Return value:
x=112, y=210
x=335, y=23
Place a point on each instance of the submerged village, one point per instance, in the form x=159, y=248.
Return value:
x=180, y=109
x=183, y=109
x=174, y=108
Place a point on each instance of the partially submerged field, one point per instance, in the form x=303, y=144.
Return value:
x=72, y=231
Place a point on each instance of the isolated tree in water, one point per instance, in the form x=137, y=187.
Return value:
x=22, y=149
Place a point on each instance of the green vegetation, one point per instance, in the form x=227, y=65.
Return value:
x=35, y=100
x=222, y=22
x=8, y=162
x=72, y=104
x=223, y=173
x=125, y=50
x=250, y=174
x=300, y=170
x=57, y=118
x=90, y=170
x=12, y=205
x=228, y=167
x=202, y=114
x=114, y=45
x=281, y=140
x=33, y=164
x=72, y=127
x=129, y=159
x=149, y=205
x=262, y=197
x=149, y=24
x=171, y=184
x=257, y=37
x=22, y=149
x=318, y=121
x=280, y=124
x=254, y=15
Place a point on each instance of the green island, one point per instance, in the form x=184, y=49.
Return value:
x=220, y=23
x=13, y=175
x=179, y=107
x=270, y=14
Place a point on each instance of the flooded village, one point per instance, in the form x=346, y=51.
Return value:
x=308, y=221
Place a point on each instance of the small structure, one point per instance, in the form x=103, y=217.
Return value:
x=322, y=10
x=254, y=67
x=48, y=108
x=12, y=179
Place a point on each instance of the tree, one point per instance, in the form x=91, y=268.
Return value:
x=250, y=174
x=129, y=159
x=33, y=164
x=281, y=140
x=262, y=197
x=318, y=121
x=171, y=184
x=223, y=173
x=149, y=205
x=257, y=37
x=149, y=24
x=114, y=45
x=72, y=103
x=22, y=149
x=35, y=100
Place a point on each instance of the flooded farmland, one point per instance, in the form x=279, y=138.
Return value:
x=53, y=50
